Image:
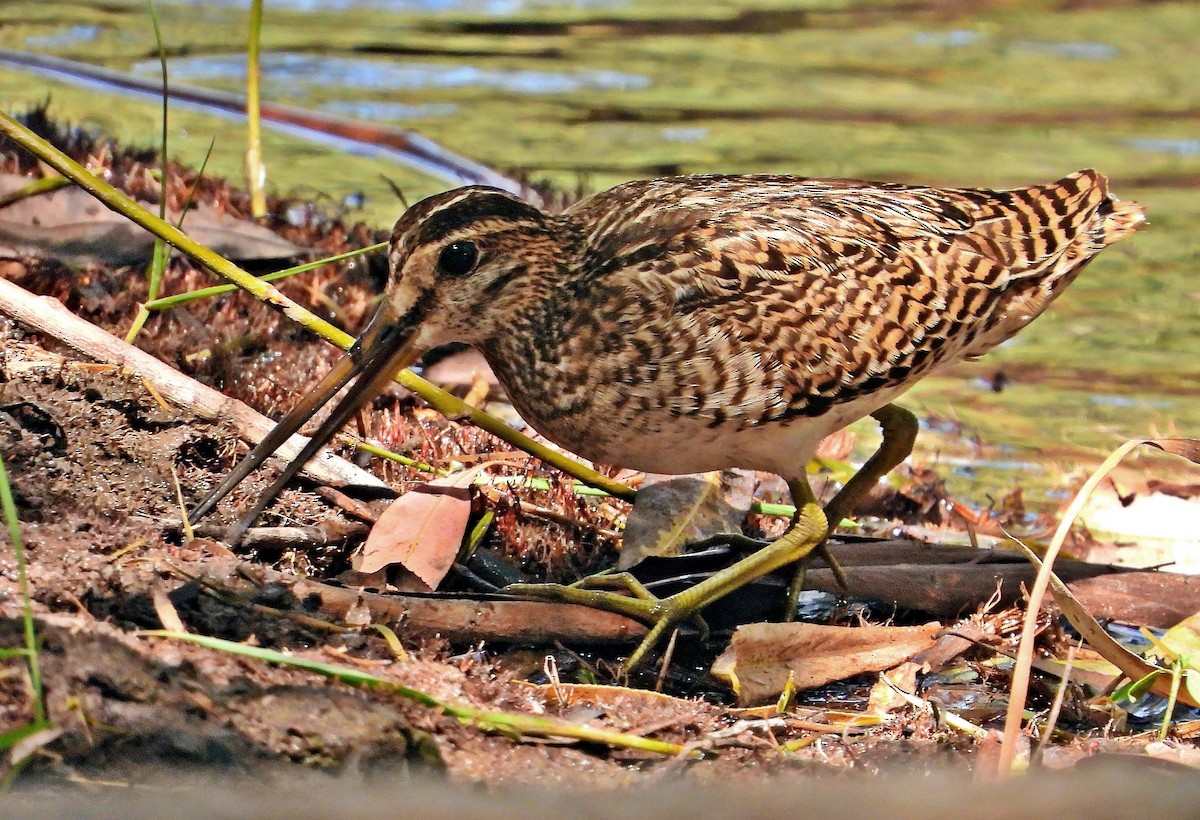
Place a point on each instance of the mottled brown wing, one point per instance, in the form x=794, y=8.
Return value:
x=778, y=296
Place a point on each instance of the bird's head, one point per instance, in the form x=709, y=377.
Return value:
x=459, y=264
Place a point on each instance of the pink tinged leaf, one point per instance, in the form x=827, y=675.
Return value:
x=71, y=224
x=422, y=529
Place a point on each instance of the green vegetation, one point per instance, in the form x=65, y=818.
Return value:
x=1005, y=93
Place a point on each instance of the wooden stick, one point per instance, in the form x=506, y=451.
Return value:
x=48, y=316
x=456, y=618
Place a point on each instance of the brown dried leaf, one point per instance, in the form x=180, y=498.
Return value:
x=761, y=656
x=884, y=698
x=613, y=699
x=671, y=511
x=1188, y=448
x=422, y=529
x=1144, y=528
x=1131, y=665
x=71, y=224
x=168, y=616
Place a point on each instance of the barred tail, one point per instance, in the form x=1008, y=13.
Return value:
x=1054, y=251
x=1118, y=220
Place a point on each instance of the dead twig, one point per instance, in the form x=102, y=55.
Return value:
x=48, y=316
x=457, y=618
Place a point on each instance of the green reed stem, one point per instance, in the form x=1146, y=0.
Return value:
x=158, y=261
x=30, y=650
x=39, y=186
x=445, y=403
x=168, y=302
x=256, y=171
x=507, y=723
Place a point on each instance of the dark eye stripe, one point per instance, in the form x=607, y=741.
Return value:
x=496, y=285
x=456, y=217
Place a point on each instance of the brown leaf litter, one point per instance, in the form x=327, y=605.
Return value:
x=91, y=451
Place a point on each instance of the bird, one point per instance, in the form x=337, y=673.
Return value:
x=695, y=323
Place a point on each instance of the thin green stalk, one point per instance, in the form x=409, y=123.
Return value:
x=158, y=261
x=191, y=194
x=508, y=723
x=383, y=452
x=159, y=246
x=1179, y=667
x=534, y=483
x=30, y=651
x=168, y=302
x=445, y=403
x=43, y=185
x=256, y=172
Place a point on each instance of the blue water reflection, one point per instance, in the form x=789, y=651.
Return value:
x=70, y=36
x=498, y=8
x=297, y=73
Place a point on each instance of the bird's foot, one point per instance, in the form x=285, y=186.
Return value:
x=747, y=544
x=625, y=595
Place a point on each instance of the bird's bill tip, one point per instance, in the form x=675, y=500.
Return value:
x=383, y=349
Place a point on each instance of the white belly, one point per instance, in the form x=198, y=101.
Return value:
x=659, y=443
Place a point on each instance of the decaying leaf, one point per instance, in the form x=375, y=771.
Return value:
x=1188, y=448
x=1132, y=666
x=884, y=698
x=610, y=698
x=1183, y=639
x=70, y=224
x=759, y=658
x=422, y=529
x=1181, y=644
x=671, y=511
x=168, y=616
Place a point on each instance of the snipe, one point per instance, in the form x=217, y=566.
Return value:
x=697, y=323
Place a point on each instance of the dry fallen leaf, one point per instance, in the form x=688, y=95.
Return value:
x=168, y=616
x=73, y=225
x=884, y=698
x=760, y=656
x=1188, y=448
x=422, y=529
x=1151, y=528
x=1132, y=666
x=672, y=511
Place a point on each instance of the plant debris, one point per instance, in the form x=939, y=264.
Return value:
x=94, y=450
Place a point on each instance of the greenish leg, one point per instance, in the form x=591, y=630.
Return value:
x=807, y=531
x=608, y=579
x=899, y=428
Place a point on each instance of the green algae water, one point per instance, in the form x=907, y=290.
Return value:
x=588, y=93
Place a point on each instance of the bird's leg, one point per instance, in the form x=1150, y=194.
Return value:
x=808, y=529
x=899, y=428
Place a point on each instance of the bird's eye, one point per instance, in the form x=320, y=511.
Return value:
x=457, y=258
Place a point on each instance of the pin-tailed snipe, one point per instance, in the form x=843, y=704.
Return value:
x=695, y=323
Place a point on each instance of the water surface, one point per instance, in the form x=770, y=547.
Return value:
x=592, y=92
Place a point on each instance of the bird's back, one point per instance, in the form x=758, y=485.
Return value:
x=729, y=303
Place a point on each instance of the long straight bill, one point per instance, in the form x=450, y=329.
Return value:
x=382, y=350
